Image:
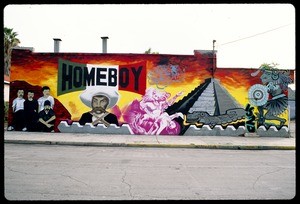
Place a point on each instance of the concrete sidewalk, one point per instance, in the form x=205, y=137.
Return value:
x=206, y=142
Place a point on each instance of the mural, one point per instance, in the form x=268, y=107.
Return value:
x=143, y=94
x=270, y=96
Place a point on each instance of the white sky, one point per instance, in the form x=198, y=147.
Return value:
x=263, y=33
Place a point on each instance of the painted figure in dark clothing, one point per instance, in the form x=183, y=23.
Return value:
x=46, y=118
x=18, y=122
x=98, y=114
x=276, y=83
x=31, y=107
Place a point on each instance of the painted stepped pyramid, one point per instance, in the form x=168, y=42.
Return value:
x=210, y=110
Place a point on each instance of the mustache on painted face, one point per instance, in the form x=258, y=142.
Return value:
x=98, y=109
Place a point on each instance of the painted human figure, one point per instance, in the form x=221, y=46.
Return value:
x=98, y=114
x=18, y=122
x=31, y=107
x=149, y=115
x=46, y=118
x=46, y=96
x=155, y=109
x=276, y=82
x=164, y=121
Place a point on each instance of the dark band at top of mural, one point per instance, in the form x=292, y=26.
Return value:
x=74, y=76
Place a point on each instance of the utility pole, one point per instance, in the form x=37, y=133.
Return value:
x=213, y=59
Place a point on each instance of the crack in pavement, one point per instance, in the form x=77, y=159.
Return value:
x=22, y=172
x=41, y=174
x=123, y=181
x=253, y=186
x=70, y=177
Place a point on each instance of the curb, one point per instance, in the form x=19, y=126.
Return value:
x=232, y=147
x=66, y=143
x=153, y=145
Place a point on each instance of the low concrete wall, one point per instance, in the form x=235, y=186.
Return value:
x=292, y=109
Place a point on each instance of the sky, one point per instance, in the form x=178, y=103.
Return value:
x=246, y=35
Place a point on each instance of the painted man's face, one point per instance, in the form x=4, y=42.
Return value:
x=47, y=107
x=20, y=93
x=30, y=95
x=46, y=92
x=99, y=103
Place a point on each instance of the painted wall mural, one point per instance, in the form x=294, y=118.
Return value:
x=270, y=96
x=144, y=94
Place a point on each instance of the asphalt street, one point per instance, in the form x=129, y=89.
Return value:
x=65, y=172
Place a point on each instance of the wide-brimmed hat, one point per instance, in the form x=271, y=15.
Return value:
x=110, y=93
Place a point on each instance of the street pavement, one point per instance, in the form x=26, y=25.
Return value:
x=248, y=142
